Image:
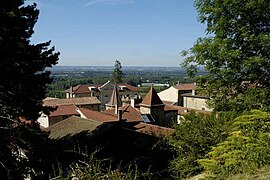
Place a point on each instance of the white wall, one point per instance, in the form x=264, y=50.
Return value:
x=43, y=120
x=170, y=94
x=196, y=103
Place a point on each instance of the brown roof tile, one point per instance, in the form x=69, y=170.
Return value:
x=151, y=98
x=64, y=110
x=184, y=87
x=129, y=114
x=130, y=87
x=72, y=126
x=115, y=98
x=98, y=116
x=152, y=129
x=68, y=101
x=84, y=88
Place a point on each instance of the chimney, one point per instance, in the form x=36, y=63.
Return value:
x=70, y=92
x=132, y=102
x=120, y=115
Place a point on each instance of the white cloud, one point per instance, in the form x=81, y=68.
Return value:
x=108, y=2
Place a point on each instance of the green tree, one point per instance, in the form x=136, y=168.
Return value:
x=235, y=51
x=193, y=139
x=117, y=72
x=246, y=149
x=23, y=80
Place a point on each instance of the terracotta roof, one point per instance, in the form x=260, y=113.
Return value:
x=196, y=95
x=64, y=110
x=68, y=101
x=152, y=129
x=180, y=109
x=83, y=88
x=130, y=87
x=72, y=126
x=185, y=87
x=98, y=116
x=129, y=113
x=151, y=98
x=115, y=98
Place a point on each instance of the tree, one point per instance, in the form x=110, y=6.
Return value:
x=235, y=53
x=117, y=72
x=23, y=80
x=246, y=149
x=193, y=139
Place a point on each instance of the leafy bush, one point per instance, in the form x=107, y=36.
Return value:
x=94, y=169
x=246, y=149
x=193, y=140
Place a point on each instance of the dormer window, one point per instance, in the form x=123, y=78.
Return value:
x=123, y=88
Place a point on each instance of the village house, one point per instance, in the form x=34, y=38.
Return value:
x=65, y=108
x=103, y=92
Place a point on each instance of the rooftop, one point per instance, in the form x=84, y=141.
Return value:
x=98, y=116
x=72, y=126
x=64, y=110
x=85, y=88
x=129, y=113
x=69, y=101
x=184, y=87
x=151, y=129
x=151, y=99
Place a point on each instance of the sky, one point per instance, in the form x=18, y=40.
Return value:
x=135, y=32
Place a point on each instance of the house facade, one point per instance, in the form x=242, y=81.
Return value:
x=65, y=108
x=196, y=101
x=103, y=92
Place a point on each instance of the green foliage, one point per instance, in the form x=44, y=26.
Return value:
x=23, y=80
x=236, y=50
x=246, y=149
x=193, y=140
x=94, y=169
x=117, y=72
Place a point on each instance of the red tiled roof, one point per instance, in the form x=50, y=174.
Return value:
x=115, y=98
x=98, y=116
x=180, y=109
x=151, y=98
x=84, y=88
x=69, y=101
x=184, y=87
x=152, y=129
x=72, y=126
x=129, y=114
x=130, y=87
x=64, y=110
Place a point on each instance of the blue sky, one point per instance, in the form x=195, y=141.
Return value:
x=135, y=32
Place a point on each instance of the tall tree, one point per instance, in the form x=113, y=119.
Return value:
x=235, y=53
x=117, y=72
x=23, y=80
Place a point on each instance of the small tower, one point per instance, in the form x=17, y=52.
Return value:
x=115, y=101
x=153, y=105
